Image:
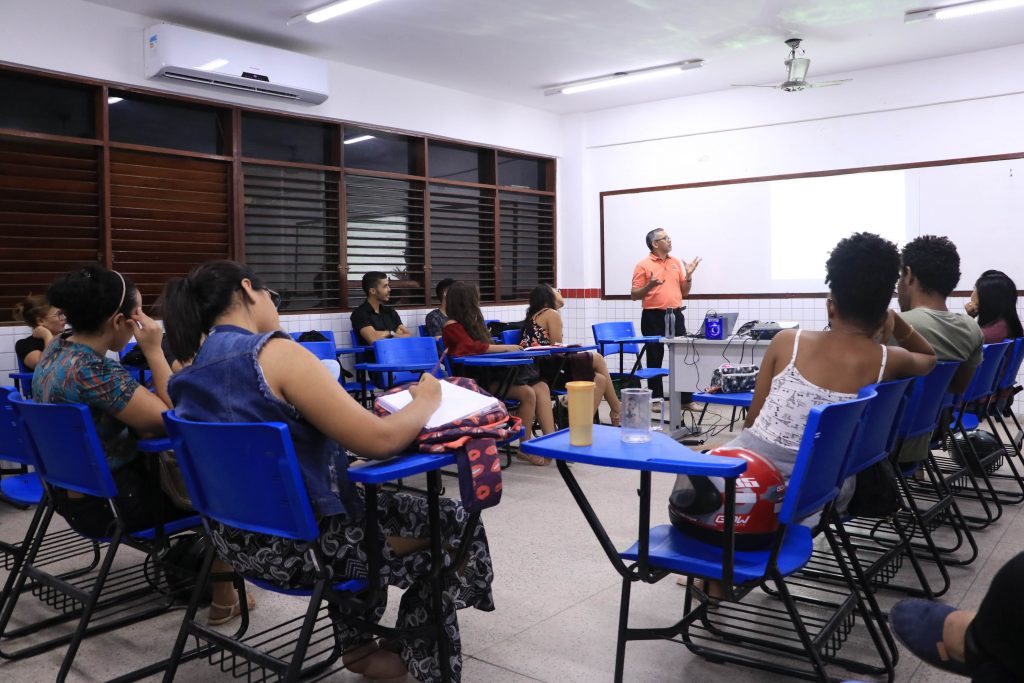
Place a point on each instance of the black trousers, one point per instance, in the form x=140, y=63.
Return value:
x=995, y=640
x=652, y=322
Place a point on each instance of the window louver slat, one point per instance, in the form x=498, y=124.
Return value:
x=168, y=214
x=384, y=231
x=291, y=233
x=49, y=214
x=527, y=244
x=462, y=237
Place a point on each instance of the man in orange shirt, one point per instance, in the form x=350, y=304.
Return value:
x=662, y=281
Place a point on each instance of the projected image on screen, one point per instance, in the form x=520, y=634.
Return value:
x=809, y=215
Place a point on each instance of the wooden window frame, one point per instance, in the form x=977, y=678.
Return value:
x=231, y=115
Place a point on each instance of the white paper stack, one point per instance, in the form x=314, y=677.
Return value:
x=456, y=404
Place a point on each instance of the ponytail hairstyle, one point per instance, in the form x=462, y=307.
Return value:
x=32, y=309
x=463, y=305
x=91, y=296
x=542, y=296
x=191, y=304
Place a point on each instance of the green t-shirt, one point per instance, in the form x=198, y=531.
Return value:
x=954, y=336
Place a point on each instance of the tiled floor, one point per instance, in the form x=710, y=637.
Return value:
x=556, y=595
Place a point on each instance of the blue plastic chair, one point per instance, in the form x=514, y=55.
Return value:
x=717, y=635
x=619, y=330
x=874, y=565
x=1000, y=408
x=406, y=350
x=67, y=453
x=930, y=502
x=27, y=489
x=739, y=400
x=22, y=379
x=966, y=467
x=247, y=476
x=511, y=336
x=138, y=373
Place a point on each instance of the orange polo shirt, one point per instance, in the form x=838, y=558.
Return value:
x=671, y=271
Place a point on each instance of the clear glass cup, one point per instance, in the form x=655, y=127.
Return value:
x=636, y=415
x=581, y=413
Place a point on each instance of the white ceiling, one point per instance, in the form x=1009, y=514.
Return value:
x=510, y=50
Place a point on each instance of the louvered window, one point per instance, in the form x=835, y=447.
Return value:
x=527, y=244
x=384, y=231
x=292, y=233
x=49, y=214
x=462, y=237
x=168, y=214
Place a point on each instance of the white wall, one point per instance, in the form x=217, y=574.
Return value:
x=967, y=105
x=76, y=37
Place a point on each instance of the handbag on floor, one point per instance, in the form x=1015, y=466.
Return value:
x=473, y=442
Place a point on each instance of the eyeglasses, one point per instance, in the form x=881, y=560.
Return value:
x=58, y=316
x=665, y=238
x=275, y=298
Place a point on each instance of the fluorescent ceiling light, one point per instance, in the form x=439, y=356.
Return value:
x=623, y=77
x=361, y=138
x=962, y=9
x=114, y=100
x=212, y=64
x=335, y=9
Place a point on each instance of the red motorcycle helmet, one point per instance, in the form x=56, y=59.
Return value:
x=759, y=493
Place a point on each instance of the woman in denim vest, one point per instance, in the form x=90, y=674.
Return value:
x=244, y=369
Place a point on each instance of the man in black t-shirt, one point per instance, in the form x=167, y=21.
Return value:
x=374, y=319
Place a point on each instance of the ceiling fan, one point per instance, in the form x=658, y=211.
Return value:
x=796, y=75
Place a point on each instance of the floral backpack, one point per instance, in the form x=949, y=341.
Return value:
x=473, y=441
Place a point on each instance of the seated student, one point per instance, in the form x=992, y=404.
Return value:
x=986, y=646
x=247, y=370
x=374, y=319
x=994, y=304
x=438, y=317
x=465, y=335
x=46, y=322
x=105, y=312
x=543, y=327
x=803, y=369
x=929, y=273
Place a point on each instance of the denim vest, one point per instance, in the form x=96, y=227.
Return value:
x=225, y=384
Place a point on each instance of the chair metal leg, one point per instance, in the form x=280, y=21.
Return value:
x=90, y=606
x=190, y=614
x=620, y=643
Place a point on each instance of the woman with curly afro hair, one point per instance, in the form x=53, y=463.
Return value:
x=803, y=368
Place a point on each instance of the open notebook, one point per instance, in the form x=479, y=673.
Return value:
x=456, y=403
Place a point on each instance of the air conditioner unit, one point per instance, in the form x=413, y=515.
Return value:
x=209, y=59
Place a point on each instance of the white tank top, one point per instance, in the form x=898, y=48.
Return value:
x=784, y=415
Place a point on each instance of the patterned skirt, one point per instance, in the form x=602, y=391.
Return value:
x=286, y=563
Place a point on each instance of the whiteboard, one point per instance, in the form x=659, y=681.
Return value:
x=773, y=236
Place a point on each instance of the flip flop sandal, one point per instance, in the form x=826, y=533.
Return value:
x=228, y=612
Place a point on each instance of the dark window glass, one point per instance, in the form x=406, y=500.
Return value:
x=522, y=172
x=41, y=105
x=384, y=231
x=527, y=244
x=291, y=233
x=468, y=164
x=462, y=237
x=268, y=137
x=164, y=123
x=376, y=151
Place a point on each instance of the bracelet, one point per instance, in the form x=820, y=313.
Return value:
x=909, y=334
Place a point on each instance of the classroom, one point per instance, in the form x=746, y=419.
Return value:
x=367, y=340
